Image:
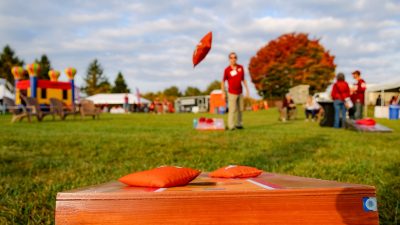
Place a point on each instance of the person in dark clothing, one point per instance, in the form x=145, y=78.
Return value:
x=378, y=101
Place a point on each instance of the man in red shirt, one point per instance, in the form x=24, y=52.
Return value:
x=234, y=75
x=358, y=94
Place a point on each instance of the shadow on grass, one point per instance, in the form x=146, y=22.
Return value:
x=78, y=119
x=34, y=121
x=269, y=125
x=285, y=155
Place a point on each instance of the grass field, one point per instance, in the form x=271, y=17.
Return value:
x=37, y=160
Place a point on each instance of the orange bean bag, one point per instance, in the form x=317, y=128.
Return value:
x=161, y=177
x=235, y=171
x=366, y=122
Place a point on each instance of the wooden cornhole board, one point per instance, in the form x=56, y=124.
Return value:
x=352, y=125
x=217, y=124
x=268, y=199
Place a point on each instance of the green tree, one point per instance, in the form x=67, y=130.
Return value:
x=215, y=85
x=45, y=67
x=290, y=60
x=7, y=61
x=95, y=81
x=171, y=94
x=152, y=96
x=104, y=87
x=120, y=85
x=172, y=91
x=192, y=91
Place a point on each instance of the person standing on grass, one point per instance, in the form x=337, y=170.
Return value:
x=393, y=100
x=378, y=101
x=340, y=91
x=358, y=95
x=126, y=103
x=234, y=75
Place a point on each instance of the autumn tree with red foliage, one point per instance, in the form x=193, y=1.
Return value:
x=290, y=60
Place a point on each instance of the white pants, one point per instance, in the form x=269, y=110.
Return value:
x=236, y=106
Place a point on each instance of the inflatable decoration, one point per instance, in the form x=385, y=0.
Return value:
x=17, y=72
x=54, y=75
x=70, y=71
x=33, y=69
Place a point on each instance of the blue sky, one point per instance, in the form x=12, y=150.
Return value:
x=151, y=42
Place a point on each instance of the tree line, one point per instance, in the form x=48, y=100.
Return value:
x=173, y=92
x=95, y=81
x=290, y=60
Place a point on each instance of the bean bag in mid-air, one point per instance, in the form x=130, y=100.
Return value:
x=202, y=49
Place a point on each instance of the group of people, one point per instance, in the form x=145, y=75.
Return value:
x=345, y=98
x=234, y=76
x=348, y=99
x=394, y=100
x=157, y=106
x=288, y=111
x=161, y=107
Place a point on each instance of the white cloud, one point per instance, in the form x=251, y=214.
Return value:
x=152, y=43
x=392, y=6
x=359, y=46
x=289, y=24
x=360, y=4
x=14, y=21
x=88, y=18
x=391, y=34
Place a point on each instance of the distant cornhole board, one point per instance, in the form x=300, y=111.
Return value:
x=352, y=125
x=209, y=124
x=267, y=199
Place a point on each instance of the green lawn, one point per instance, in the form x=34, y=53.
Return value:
x=37, y=160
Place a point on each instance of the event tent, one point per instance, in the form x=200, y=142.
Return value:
x=390, y=88
x=393, y=86
x=116, y=99
x=5, y=88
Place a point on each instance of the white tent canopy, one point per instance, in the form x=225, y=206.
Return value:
x=5, y=88
x=386, y=90
x=393, y=86
x=116, y=99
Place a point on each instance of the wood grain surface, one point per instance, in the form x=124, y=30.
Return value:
x=268, y=199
